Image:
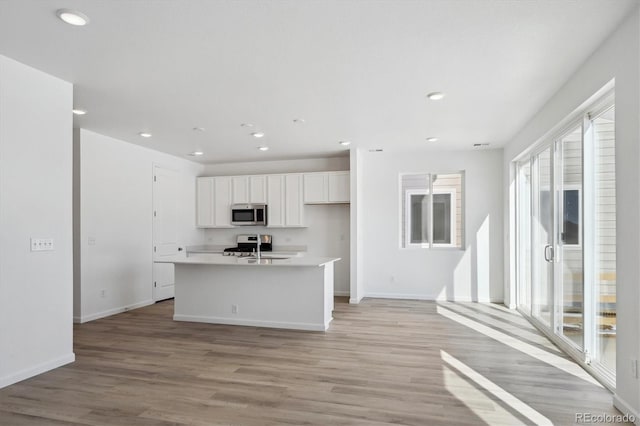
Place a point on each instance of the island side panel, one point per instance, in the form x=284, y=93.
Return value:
x=280, y=297
x=328, y=292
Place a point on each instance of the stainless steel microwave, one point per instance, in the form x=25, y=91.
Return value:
x=249, y=214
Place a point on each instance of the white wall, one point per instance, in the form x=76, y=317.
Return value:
x=115, y=212
x=36, y=329
x=356, y=251
x=472, y=273
x=618, y=57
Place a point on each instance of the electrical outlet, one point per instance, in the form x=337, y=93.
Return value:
x=91, y=241
x=103, y=293
x=234, y=309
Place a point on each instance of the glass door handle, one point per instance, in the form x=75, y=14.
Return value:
x=548, y=253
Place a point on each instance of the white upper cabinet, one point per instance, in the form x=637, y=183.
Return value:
x=339, y=187
x=222, y=202
x=293, y=200
x=284, y=194
x=258, y=189
x=249, y=189
x=316, y=188
x=204, y=205
x=213, y=202
x=284, y=201
x=326, y=187
x=275, y=201
x=240, y=189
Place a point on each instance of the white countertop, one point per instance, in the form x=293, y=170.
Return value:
x=243, y=261
x=219, y=248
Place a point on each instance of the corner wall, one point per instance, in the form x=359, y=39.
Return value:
x=473, y=273
x=113, y=222
x=36, y=328
x=617, y=58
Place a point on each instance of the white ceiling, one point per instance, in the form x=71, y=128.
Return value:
x=353, y=69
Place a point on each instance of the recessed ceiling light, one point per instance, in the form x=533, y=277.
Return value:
x=248, y=125
x=435, y=96
x=263, y=148
x=345, y=143
x=376, y=150
x=198, y=129
x=480, y=145
x=196, y=153
x=432, y=139
x=257, y=134
x=77, y=111
x=72, y=17
x=145, y=134
x=299, y=120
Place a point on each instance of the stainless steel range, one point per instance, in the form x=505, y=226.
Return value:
x=248, y=245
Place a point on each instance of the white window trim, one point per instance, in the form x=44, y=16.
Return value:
x=452, y=194
x=407, y=219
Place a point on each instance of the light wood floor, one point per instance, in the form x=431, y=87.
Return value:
x=381, y=362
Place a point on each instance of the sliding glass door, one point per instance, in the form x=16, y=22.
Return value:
x=542, y=229
x=523, y=234
x=566, y=238
x=569, y=263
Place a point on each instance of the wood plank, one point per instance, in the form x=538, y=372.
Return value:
x=380, y=363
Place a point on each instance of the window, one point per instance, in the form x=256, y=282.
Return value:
x=431, y=210
x=571, y=226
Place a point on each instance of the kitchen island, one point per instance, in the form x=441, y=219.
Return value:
x=294, y=293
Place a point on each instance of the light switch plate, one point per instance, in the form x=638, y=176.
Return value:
x=42, y=244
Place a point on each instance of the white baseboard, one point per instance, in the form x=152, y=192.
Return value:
x=37, y=369
x=411, y=296
x=342, y=293
x=109, y=312
x=254, y=323
x=625, y=408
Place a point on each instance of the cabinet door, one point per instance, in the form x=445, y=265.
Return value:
x=294, y=207
x=315, y=188
x=240, y=189
x=339, y=185
x=258, y=189
x=222, y=201
x=275, y=201
x=204, y=202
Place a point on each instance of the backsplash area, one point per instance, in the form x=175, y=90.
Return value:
x=326, y=234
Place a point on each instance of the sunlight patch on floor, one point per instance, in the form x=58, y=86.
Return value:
x=541, y=355
x=465, y=392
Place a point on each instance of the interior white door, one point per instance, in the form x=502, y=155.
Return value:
x=165, y=230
